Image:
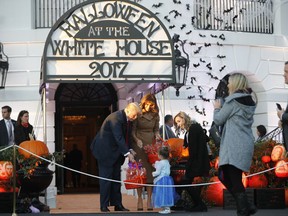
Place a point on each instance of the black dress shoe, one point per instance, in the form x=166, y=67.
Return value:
x=120, y=208
x=104, y=209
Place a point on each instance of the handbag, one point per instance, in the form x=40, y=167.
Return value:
x=215, y=134
x=135, y=173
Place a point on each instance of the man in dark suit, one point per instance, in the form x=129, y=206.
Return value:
x=168, y=120
x=283, y=115
x=7, y=127
x=110, y=147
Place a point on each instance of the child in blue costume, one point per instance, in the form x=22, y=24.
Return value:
x=163, y=197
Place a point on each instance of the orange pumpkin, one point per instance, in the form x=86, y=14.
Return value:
x=281, y=170
x=35, y=146
x=278, y=153
x=258, y=181
x=214, y=192
x=176, y=148
x=6, y=170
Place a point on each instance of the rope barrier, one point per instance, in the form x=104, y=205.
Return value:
x=132, y=183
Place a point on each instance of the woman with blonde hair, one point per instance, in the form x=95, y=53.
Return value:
x=198, y=162
x=237, y=140
x=144, y=131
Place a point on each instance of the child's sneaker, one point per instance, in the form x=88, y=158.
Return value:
x=165, y=210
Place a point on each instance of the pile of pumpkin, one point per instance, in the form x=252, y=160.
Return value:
x=23, y=157
x=267, y=155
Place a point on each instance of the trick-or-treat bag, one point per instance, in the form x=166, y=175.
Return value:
x=135, y=173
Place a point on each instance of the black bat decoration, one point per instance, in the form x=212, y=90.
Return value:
x=222, y=37
x=213, y=36
x=201, y=35
x=198, y=110
x=207, y=44
x=188, y=7
x=192, y=43
x=219, y=44
x=234, y=18
x=172, y=26
x=157, y=13
x=193, y=20
x=218, y=19
x=200, y=89
x=228, y=10
x=192, y=80
x=188, y=88
x=205, y=123
x=204, y=99
x=242, y=9
x=210, y=89
x=166, y=18
x=157, y=5
x=189, y=32
x=177, y=2
x=221, y=56
x=203, y=61
x=176, y=13
x=198, y=50
x=207, y=27
x=222, y=68
x=208, y=12
x=183, y=26
x=212, y=76
x=196, y=65
x=209, y=66
x=191, y=97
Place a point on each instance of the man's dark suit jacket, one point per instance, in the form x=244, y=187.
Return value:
x=110, y=142
x=4, y=139
x=285, y=127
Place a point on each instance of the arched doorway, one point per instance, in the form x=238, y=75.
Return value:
x=80, y=110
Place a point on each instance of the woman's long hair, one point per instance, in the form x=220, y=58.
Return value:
x=20, y=115
x=151, y=99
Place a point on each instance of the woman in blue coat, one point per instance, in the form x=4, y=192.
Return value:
x=237, y=141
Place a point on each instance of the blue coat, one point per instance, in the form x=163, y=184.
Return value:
x=237, y=140
x=110, y=142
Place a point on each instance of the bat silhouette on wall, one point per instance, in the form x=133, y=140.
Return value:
x=189, y=32
x=201, y=35
x=203, y=61
x=172, y=26
x=210, y=89
x=204, y=123
x=193, y=19
x=207, y=44
x=193, y=79
x=219, y=20
x=207, y=27
x=209, y=66
x=222, y=68
x=192, y=43
x=228, y=10
x=234, y=18
x=200, y=89
x=176, y=13
x=204, y=99
x=157, y=5
x=242, y=10
x=188, y=7
x=221, y=56
x=166, y=18
x=213, y=36
x=208, y=12
x=183, y=26
x=222, y=37
x=199, y=111
x=196, y=65
x=191, y=97
x=212, y=76
x=188, y=88
x=177, y=2
x=219, y=44
x=198, y=50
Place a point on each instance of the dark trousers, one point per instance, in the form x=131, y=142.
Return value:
x=194, y=192
x=76, y=177
x=231, y=178
x=110, y=192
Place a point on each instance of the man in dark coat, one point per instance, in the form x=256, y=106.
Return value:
x=168, y=119
x=283, y=114
x=110, y=147
x=7, y=126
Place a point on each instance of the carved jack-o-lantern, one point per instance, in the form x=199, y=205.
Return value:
x=281, y=170
x=278, y=153
x=6, y=170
